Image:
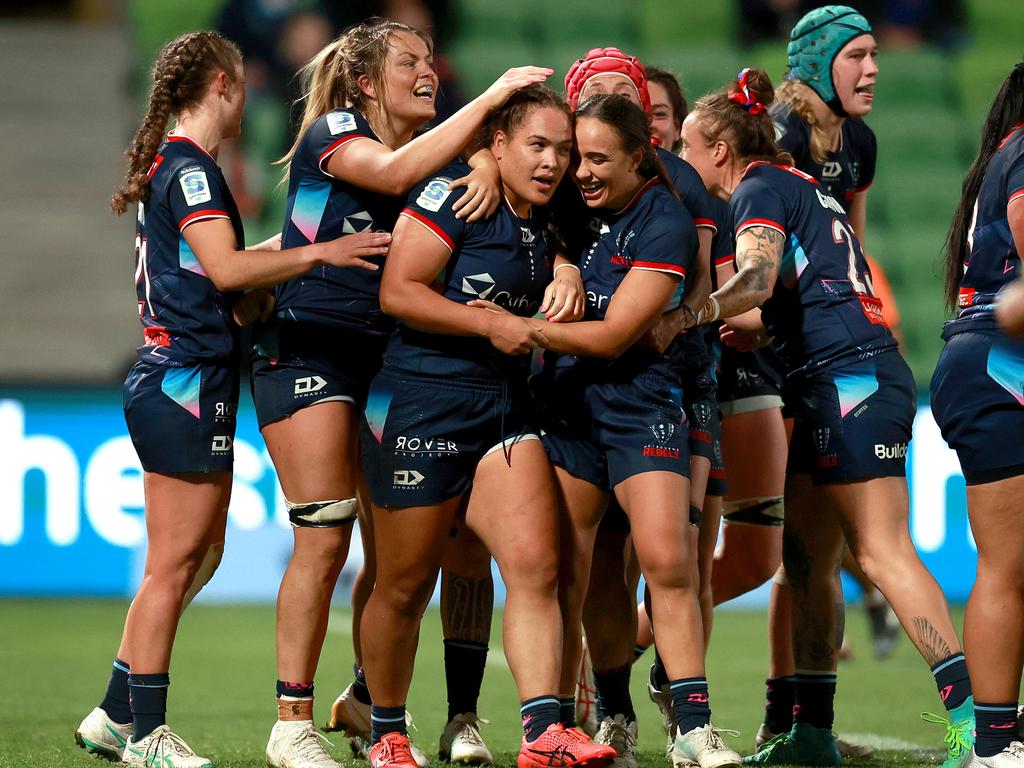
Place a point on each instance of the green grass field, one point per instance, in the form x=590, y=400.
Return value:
x=55, y=657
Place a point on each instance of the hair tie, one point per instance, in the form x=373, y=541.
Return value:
x=743, y=97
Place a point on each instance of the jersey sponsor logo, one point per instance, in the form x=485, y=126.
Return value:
x=307, y=385
x=478, y=285
x=434, y=194
x=195, y=186
x=894, y=451
x=407, y=478
x=341, y=122
x=663, y=430
x=528, y=235
x=597, y=300
x=225, y=410
x=413, y=445
x=831, y=170
x=356, y=222
x=872, y=308
x=222, y=443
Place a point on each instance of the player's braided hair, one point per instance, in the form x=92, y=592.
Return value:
x=738, y=115
x=180, y=76
x=1005, y=114
x=630, y=123
x=331, y=78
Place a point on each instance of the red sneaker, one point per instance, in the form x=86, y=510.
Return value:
x=392, y=751
x=561, y=748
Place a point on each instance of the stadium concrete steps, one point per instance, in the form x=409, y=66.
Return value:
x=67, y=304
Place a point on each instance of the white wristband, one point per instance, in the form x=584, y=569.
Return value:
x=560, y=266
x=718, y=309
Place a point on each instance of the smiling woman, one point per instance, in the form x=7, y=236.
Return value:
x=366, y=95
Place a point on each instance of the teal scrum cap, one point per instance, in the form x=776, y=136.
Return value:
x=814, y=44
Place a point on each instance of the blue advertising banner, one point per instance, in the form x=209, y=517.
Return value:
x=72, y=522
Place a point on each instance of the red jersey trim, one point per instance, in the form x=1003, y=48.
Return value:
x=1015, y=196
x=435, y=230
x=865, y=188
x=706, y=223
x=335, y=147
x=659, y=266
x=200, y=215
x=787, y=168
x=1007, y=137
x=639, y=193
x=725, y=260
x=174, y=137
x=156, y=164
x=761, y=223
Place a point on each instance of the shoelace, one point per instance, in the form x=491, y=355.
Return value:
x=712, y=736
x=471, y=732
x=311, y=748
x=615, y=729
x=176, y=743
x=956, y=740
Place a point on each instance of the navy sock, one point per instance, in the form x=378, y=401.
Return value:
x=952, y=680
x=995, y=727
x=384, y=720
x=691, y=702
x=778, y=704
x=613, y=693
x=464, y=664
x=149, y=702
x=659, y=677
x=115, y=701
x=567, y=711
x=359, y=689
x=538, y=714
x=295, y=690
x=815, y=694
x=639, y=650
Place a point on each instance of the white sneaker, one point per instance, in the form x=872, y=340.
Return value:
x=461, y=742
x=849, y=750
x=296, y=744
x=99, y=735
x=663, y=701
x=350, y=715
x=702, y=747
x=1011, y=757
x=586, y=695
x=617, y=733
x=163, y=748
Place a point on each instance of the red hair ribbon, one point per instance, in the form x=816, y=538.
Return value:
x=743, y=97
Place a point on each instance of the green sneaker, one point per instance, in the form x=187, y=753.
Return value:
x=959, y=733
x=803, y=745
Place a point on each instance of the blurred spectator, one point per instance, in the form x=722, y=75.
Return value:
x=898, y=23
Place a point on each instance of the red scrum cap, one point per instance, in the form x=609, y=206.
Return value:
x=606, y=61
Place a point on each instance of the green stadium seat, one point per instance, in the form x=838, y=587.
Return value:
x=502, y=22
x=700, y=69
x=588, y=24
x=479, y=61
x=673, y=23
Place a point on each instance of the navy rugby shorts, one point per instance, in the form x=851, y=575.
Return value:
x=978, y=402
x=854, y=422
x=423, y=436
x=608, y=430
x=295, y=365
x=182, y=418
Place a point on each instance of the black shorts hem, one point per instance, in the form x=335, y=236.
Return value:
x=983, y=476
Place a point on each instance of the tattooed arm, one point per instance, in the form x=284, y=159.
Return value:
x=758, y=256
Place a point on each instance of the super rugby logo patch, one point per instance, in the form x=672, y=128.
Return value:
x=341, y=122
x=195, y=186
x=434, y=194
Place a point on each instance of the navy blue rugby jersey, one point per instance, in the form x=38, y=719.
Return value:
x=992, y=259
x=184, y=317
x=504, y=259
x=847, y=171
x=655, y=232
x=573, y=219
x=322, y=208
x=822, y=309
